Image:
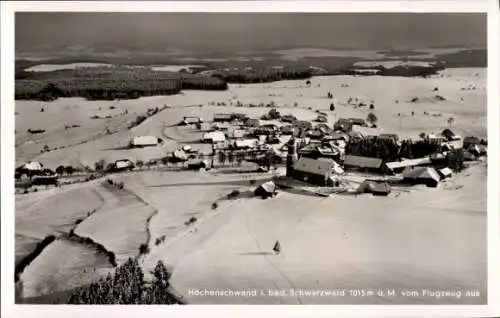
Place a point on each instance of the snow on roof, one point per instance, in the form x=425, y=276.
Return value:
x=243, y=143
x=408, y=163
x=421, y=173
x=446, y=172
x=33, y=165
x=314, y=166
x=367, y=131
x=144, y=140
x=214, y=136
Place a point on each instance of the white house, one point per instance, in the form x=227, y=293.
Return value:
x=144, y=141
x=214, y=137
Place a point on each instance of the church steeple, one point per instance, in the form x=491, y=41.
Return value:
x=291, y=157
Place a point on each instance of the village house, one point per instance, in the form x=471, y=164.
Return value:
x=454, y=140
x=192, y=120
x=366, y=132
x=363, y=163
x=123, y=164
x=222, y=117
x=421, y=175
x=315, y=171
x=214, y=137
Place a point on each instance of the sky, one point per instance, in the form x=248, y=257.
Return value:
x=251, y=30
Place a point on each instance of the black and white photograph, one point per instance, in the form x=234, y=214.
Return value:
x=250, y=158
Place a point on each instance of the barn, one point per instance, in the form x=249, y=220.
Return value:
x=365, y=163
x=222, y=117
x=144, y=141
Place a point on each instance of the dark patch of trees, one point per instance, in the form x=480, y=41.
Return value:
x=128, y=287
x=89, y=242
x=388, y=150
x=263, y=75
x=465, y=58
x=143, y=249
x=108, y=83
x=31, y=256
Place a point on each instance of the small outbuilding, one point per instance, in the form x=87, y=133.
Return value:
x=123, y=164
x=445, y=172
x=375, y=187
x=266, y=190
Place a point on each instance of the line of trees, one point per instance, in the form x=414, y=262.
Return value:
x=108, y=83
x=388, y=150
x=127, y=286
x=263, y=76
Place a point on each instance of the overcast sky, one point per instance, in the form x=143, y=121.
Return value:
x=360, y=30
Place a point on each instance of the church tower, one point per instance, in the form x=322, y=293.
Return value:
x=291, y=157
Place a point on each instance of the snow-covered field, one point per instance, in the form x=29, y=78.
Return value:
x=57, y=67
x=424, y=238
x=434, y=239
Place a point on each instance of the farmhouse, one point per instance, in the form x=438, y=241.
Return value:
x=366, y=132
x=245, y=143
x=191, y=120
x=366, y=163
x=144, y=141
x=222, y=117
x=32, y=166
x=123, y=164
x=214, y=137
x=29, y=169
x=315, y=171
x=454, y=140
x=422, y=175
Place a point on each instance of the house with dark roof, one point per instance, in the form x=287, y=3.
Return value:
x=364, y=163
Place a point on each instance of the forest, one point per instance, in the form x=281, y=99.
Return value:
x=108, y=83
x=127, y=286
